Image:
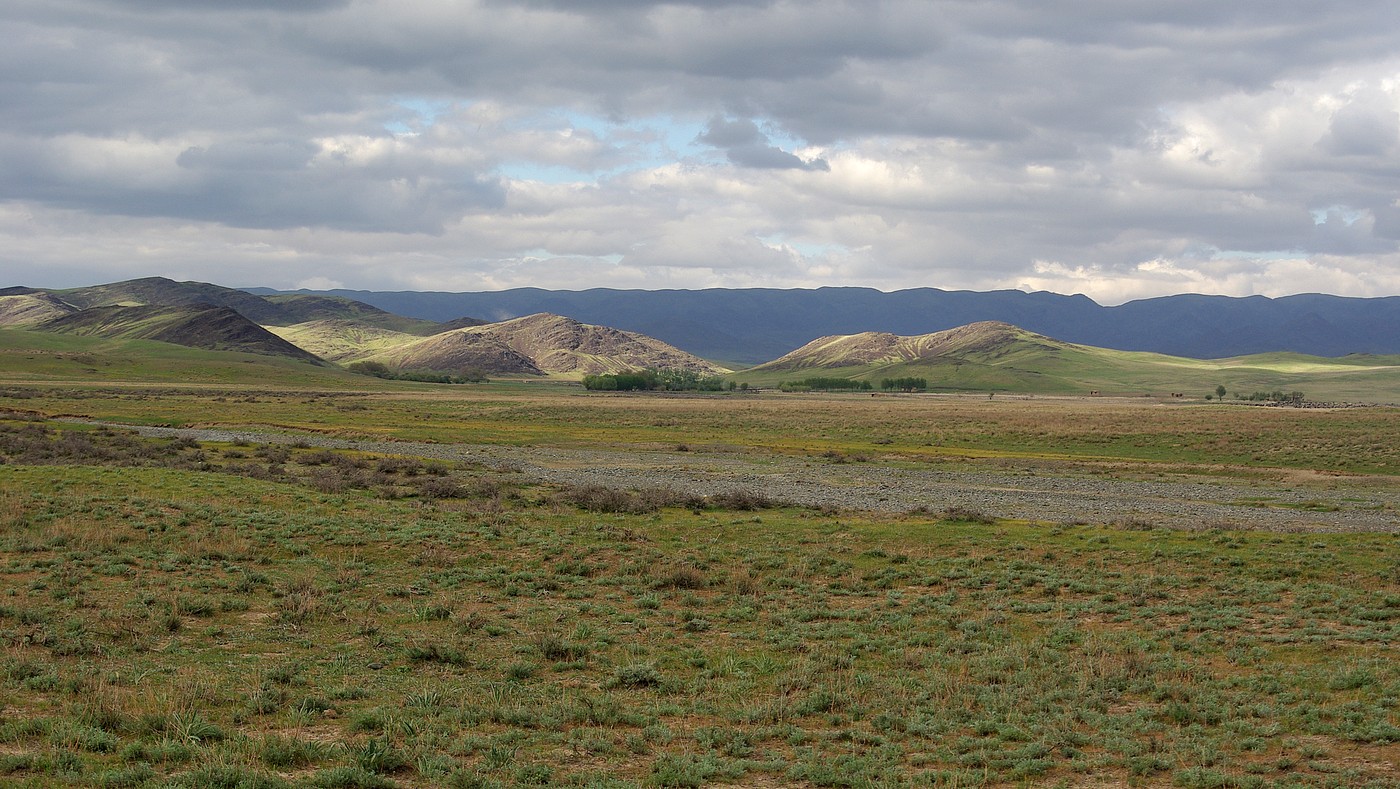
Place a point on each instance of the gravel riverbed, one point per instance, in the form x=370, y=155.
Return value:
x=1037, y=493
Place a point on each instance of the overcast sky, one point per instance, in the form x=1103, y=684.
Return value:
x=1118, y=148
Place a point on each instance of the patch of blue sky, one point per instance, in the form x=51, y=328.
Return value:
x=654, y=141
x=641, y=144
x=1347, y=214
x=540, y=253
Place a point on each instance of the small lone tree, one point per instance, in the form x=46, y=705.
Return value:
x=1220, y=392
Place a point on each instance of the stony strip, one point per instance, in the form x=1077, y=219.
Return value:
x=878, y=487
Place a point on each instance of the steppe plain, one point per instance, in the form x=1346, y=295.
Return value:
x=352, y=582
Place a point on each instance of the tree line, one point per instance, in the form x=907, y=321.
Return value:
x=654, y=380
x=904, y=384
x=819, y=384
x=822, y=384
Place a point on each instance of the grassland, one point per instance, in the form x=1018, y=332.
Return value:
x=27, y=356
x=926, y=429
x=248, y=615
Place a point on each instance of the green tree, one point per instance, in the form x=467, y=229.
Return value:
x=907, y=384
x=376, y=369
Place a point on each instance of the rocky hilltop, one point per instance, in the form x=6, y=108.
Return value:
x=985, y=340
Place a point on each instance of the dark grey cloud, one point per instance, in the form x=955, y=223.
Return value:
x=242, y=156
x=747, y=146
x=1361, y=130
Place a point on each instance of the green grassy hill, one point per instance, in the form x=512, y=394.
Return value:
x=44, y=357
x=997, y=357
x=343, y=340
x=298, y=308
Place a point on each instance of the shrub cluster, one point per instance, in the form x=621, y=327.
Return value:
x=38, y=443
x=35, y=443
x=598, y=498
x=380, y=370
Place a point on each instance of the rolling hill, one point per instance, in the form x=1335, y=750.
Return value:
x=542, y=344
x=994, y=356
x=984, y=339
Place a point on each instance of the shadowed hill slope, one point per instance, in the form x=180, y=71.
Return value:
x=272, y=310
x=194, y=326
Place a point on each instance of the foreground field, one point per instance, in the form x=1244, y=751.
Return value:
x=231, y=614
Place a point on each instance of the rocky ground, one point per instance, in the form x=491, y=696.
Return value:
x=1137, y=496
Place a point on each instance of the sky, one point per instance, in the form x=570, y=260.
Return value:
x=1122, y=149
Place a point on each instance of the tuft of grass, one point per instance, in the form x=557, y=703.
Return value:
x=682, y=578
x=285, y=753
x=635, y=675
x=553, y=646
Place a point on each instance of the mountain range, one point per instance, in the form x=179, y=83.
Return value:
x=754, y=325
x=328, y=332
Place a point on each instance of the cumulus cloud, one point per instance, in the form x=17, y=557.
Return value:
x=1119, y=149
